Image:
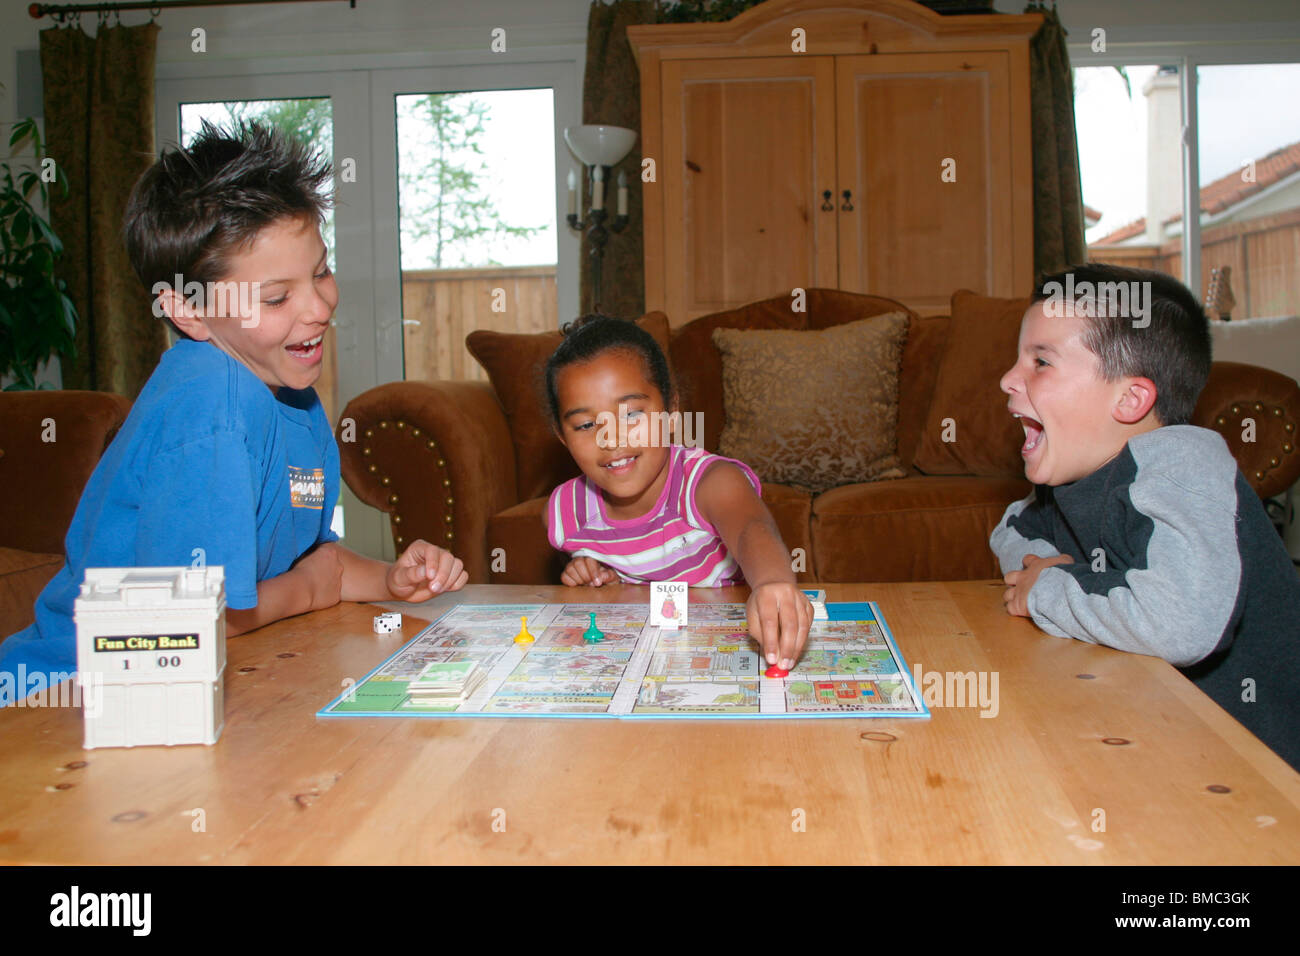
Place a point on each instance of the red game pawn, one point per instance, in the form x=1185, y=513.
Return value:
x=776, y=671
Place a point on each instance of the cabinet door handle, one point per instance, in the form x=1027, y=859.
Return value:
x=848, y=201
x=827, y=205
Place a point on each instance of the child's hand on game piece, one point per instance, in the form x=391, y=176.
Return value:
x=587, y=571
x=424, y=571
x=320, y=571
x=779, y=617
x=1020, y=583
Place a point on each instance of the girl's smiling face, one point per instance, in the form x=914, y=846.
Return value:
x=610, y=417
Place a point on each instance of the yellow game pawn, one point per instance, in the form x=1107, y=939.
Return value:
x=523, y=637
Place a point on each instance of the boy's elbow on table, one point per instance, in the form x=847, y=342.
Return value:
x=1144, y=613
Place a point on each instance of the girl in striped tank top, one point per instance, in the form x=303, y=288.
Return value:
x=644, y=509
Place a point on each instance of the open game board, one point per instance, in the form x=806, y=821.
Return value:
x=851, y=667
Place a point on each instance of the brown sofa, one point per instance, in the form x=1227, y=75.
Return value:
x=50, y=442
x=438, y=457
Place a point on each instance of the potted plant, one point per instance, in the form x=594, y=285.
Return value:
x=37, y=319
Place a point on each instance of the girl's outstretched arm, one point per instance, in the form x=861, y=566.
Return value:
x=779, y=612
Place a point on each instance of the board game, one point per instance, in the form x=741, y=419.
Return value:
x=851, y=667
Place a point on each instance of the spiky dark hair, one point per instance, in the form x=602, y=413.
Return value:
x=199, y=204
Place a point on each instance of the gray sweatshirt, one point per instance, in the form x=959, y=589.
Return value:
x=1174, y=556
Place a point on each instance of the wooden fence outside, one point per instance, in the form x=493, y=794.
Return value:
x=1264, y=254
x=441, y=306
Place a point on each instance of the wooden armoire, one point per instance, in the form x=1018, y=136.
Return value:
x=867, y=145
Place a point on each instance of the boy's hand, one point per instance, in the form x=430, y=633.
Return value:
x=1020, y=583
x=587, y=571
x=321, y=574
x=424, y=571
x=779, y=617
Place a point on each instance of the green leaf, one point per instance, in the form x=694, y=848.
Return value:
x=22, y=129
x=55, y=246
x=42, y=259
x=69, y=317
x=37, y=320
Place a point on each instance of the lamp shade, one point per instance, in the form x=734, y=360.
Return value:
x=599, y=145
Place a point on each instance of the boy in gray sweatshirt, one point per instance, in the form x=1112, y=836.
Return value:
x=1141, y=533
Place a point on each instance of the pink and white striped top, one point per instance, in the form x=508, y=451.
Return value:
x=670, y=542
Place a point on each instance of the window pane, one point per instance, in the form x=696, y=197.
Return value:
x=476, y=193
x=1249, y=138
x=1129, y=123
x=312, y=121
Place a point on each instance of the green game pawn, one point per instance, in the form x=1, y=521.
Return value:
x=593, y=634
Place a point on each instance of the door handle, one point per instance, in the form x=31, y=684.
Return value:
x=827, y=205
x=847, y=205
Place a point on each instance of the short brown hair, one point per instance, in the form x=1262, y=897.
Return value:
x=1171, y=345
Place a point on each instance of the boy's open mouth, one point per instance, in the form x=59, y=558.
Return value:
x=307, y=351
x=1033, y=433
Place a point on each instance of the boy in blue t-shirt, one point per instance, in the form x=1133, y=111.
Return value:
x=227, y=457
x=1141, y=532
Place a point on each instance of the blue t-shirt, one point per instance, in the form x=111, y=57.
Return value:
x=207, y=459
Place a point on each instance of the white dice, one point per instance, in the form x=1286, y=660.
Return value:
x=388, y=622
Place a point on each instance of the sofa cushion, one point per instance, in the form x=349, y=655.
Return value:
x=50, y=443
x=23, y=575
x=814, y=409
x=525, y=556
x=515, y=362
x=792, y=511
x=926, y=337
x=968, y=407
x=915, y=529
x=697, y=363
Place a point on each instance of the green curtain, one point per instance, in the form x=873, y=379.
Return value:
x=99, y=120
x=1058, y=193
x=611, y=96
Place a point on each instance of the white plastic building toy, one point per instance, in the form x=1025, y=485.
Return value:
x=151, y=644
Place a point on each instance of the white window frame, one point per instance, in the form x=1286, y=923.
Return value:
x=1188, y=57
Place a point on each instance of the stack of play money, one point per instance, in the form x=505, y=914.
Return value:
x=447, y=680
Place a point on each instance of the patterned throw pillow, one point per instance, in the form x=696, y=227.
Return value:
x=814, y=409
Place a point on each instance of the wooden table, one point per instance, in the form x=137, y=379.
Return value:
x=1080, y=731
